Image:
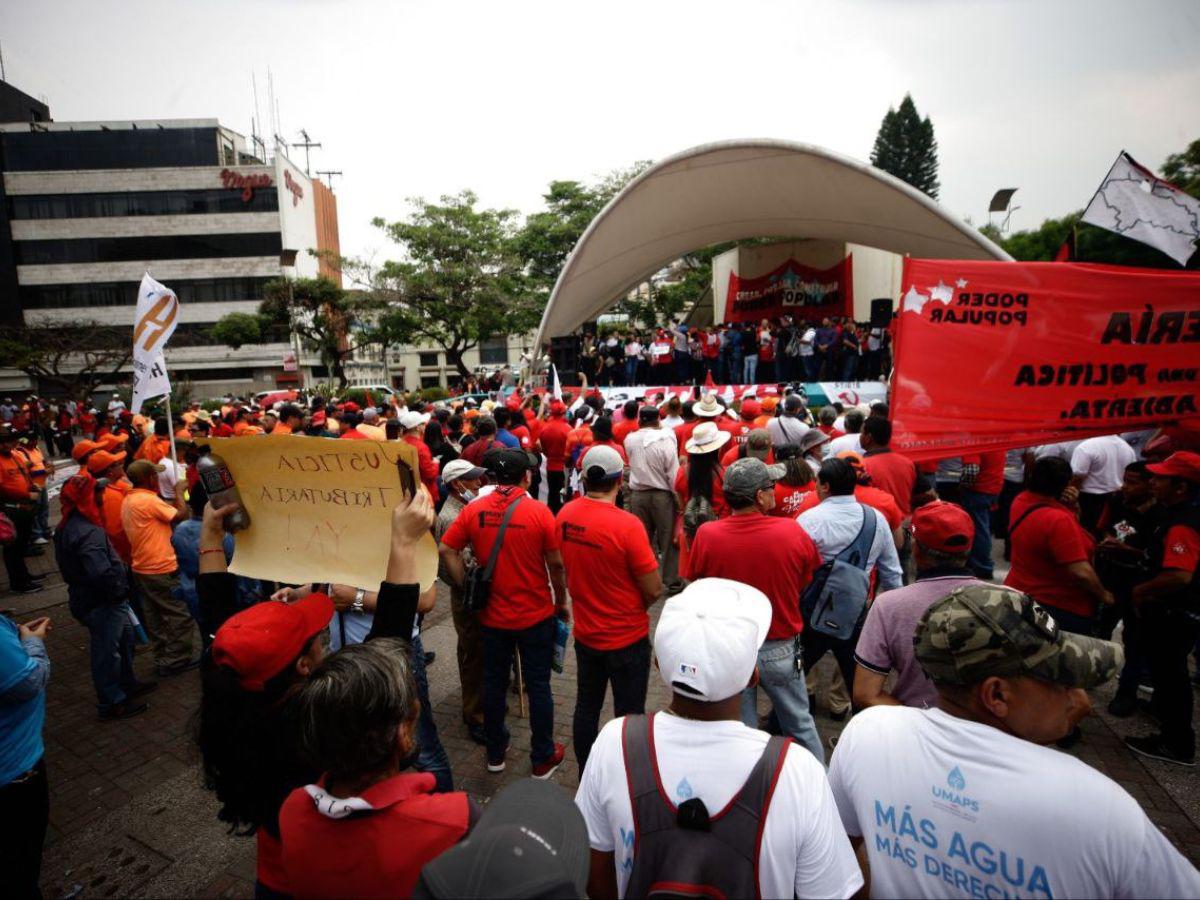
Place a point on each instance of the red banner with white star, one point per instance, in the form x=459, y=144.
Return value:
x=791, y=289
x=994, y=355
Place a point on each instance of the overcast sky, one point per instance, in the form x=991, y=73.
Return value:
x=428, y=98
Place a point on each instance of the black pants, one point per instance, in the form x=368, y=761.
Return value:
x=1090, y=508
x=14, y=551
x=24, y=814
x=628, y=669
x=1167, y=637
x=555, y=482
x=815, y=645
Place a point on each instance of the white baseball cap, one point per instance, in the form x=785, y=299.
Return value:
x=461, y=468
x=411, y=420
x=708, y=637
x=602, y=462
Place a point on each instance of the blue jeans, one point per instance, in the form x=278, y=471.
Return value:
x=431, y=755
x=750, y=369
x=812, y=368
x=536, y=644
x=41, y=517
x=780, y=675
x=627, y=669
x=111, y=633
x=631, y=367
x=735, y=366
x=850, y=367
x=979, y=506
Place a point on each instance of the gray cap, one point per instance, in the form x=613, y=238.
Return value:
x=602, y=462
x=746, y=477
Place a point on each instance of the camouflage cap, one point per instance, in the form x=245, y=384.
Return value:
x=979, y=631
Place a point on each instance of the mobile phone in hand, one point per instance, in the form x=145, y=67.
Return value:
x=408, y=484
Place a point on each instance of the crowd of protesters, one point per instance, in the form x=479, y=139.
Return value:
x=771, y=534
x=782, y=350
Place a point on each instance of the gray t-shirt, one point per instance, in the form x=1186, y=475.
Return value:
x=886, y=642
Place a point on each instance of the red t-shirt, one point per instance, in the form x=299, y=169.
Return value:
x=771, y=554
x=871, y=496
x=426, y=464
x=734, y=453
x=522, y=434
x=521, y=595
x=683, y=433
x=720, y=507
x=623, y=429
x=893, y=473
x=711, y=342
x=1181, y=550
x=554, y=443
x=1044, y=543
x=613, y=444
x=605, y=549
x=991, y=471
x=473, y=452
x=376, y=852
x=790, y=500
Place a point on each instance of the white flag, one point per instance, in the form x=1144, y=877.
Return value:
x=154, y=323
x=1136, y=203
x=556, y=389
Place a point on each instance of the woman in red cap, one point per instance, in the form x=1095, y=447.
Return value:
x=258, y=659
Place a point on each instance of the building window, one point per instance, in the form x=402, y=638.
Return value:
x=428, y=360
x=126, y=148
x=428, y=381
x=139, y=203
x=124, y=293
x=494, y=351
x=189, y=246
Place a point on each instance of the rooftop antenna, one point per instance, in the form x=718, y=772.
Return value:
x=3, y=77
x=307, y=144
x=329, y=173
x=256, y=120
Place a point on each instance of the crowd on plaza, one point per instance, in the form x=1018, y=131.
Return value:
x=771, y=534
x=773, y=350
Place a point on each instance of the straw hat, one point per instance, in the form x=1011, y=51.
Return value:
x=706, y=438
x=708, y=407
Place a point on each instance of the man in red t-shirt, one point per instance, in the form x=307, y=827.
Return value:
x=553, y=440
x=979, y=487
x=1051, y=550
x=627, y=425
x=528, y=586
x=889, y=470
x=612, y=574
x=414, y=424
x=1166, y=631
x=777, y=557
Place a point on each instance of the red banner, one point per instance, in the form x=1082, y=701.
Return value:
x=993, y=355
x=791, y=289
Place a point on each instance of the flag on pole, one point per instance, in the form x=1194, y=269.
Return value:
x=556, y=389
x=154, y=323
x=1134, y=202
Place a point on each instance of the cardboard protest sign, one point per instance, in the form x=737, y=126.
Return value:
x=320, y=510
x=993, y=355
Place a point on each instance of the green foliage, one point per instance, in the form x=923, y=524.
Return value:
x=431, y=394
x=905, y=147
x=237, y=329
x=1183, y=169
x=72, y=359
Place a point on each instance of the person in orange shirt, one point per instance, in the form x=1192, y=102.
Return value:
x=154, y=449
x=39, y=471
x=768, y=411
x=291, y=420
x=245, y=424
x=88, y=423
x=189, y=416
x=110, y=467
x=580, y=437
x=18, y=498
x=147, y=520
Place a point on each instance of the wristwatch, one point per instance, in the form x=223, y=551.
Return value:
x=357, y=605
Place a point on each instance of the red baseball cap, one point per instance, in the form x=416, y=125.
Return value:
x=260, y=642
x=942, y=526
x=1183, y=464
x=751, y=409
x=558, y=408
x=82, y=449
x=350, y=406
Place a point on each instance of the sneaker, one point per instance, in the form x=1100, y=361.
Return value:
x=124, y=710
x=40, y=540
x=1153, y=747
x=498, y=766
x=177, y=669
x=1122, y=706
x=141, y=689
x=544, y=770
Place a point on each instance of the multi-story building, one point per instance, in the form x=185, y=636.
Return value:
x=87, y=207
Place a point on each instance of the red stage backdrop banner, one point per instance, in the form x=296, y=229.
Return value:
x=993, y=355
x=792, y=289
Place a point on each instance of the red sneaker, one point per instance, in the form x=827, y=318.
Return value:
x=544, y=770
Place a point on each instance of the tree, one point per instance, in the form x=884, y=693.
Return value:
x=77, y=359
x=1183, y=169
x=460, y=279
x=236, y=329
x=905, y=147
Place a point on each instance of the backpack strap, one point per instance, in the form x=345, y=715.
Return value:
x=748, y=810
x=858, y=551
x=1025, y=515
x=494, y=555
x=651, y=811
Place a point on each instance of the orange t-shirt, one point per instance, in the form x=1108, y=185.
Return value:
x=37, y=465
x=154, y=449
x=244, y=428
x=113, y=500
x=15, y=481
x=280, y=428
x=147, y=521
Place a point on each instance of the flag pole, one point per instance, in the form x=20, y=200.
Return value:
x=171, y=436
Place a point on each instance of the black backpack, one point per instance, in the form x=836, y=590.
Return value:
x=685, y=851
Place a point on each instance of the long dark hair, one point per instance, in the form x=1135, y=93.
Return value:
x=248, y=747
x=433, y=435
x=701, y=473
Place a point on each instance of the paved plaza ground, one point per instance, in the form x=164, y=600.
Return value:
x=128, y=815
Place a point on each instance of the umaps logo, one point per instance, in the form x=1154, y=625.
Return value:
x=953, y=794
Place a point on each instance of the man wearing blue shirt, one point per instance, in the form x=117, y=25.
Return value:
x=503, y=436
x=24, y=795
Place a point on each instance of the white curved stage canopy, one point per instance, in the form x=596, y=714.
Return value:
x=735, y=190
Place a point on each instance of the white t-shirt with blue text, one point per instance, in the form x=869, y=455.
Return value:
x=953, y=808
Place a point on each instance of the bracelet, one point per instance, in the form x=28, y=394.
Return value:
x=213, y=550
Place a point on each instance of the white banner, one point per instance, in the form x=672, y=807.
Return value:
x=1136, y=203
x=155, y=321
